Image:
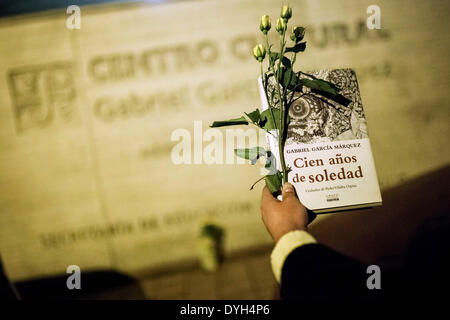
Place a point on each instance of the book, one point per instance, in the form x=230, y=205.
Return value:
x=327, y=145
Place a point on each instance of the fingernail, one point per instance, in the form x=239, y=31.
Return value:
x=288, y=187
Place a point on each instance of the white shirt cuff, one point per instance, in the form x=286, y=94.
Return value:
x=285, y=246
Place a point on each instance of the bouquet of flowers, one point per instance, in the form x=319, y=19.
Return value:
x=280, y=82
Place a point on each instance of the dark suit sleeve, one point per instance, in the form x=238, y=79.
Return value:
x=314, y=271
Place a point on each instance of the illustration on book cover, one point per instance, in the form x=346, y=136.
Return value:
x=315, y=118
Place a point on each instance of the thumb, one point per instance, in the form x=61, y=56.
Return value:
x=288, y=191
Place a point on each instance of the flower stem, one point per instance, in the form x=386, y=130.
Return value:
x=281, y=132
x=267, y=97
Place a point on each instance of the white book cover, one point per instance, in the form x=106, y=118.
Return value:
x=327, y=146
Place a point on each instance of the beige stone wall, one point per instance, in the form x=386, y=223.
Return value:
x=86, y=118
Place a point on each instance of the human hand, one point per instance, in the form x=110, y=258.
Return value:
x=280, y=217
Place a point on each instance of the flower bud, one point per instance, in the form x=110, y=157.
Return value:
x=259, y=52
x=297, y=34
x=281, y=26
x=265, y=24
x=286, y=12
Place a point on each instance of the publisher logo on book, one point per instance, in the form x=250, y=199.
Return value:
x=332, y=197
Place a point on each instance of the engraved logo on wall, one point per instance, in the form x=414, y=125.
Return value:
x=42, y=94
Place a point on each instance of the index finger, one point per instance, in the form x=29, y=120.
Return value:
x=267, y=199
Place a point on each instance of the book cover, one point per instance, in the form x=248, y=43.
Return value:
x=327, y=146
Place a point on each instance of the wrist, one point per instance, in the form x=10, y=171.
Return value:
x=278, y=236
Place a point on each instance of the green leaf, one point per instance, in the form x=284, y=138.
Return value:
x=320, y=85
x=326, y=89
x=254, y=116
x=286, y=62
x=267, y=122
x=252, y=154
x=273, y=56
x=289, y=78
x=231, y=122
x=299, y=33
x=299, y=47
x=273, y=182
x=270, y=165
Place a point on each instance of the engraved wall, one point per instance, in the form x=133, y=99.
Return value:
x=86, y=118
